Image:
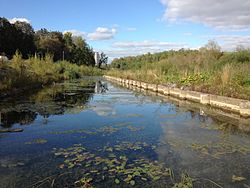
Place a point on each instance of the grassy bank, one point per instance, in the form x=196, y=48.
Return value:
x=206, y=70
x=19, y=74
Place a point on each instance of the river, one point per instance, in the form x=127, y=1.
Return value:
x=93, y=133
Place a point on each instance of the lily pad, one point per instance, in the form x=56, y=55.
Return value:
x=117, y=181
x=132, y=182
x=37, y=141
x=237, y=178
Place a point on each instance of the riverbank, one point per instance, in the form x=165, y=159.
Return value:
x=207, y=70
x=214, y=88
x=234, y=105
x=19, y=75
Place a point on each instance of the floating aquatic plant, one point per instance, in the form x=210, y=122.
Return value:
x=213, y=149
x=237, y=178
x=186, y=182
x=74, y=156
x=220, y=148
x=105, y=130
x=133, y=115
x=132, y=128
x=37, y=141
x=11, y=164
x=117, y=167
x=84, y=183
x=108, y=130
x=130, y=146
x=80, y=131
x=123, y=124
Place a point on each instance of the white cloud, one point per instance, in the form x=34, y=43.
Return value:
x=230, y=42
x=132, y=48
x=116, y=53
x=14, y=20
x=131, y=29
x=146, y=44
x=102, y=33
x=220, y=14
x=75, y=32
x=104, y=109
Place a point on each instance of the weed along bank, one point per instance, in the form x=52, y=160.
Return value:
x=234, y=105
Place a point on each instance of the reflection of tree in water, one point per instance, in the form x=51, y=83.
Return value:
x=101, y=87
x=59, y=99
x=12, y=117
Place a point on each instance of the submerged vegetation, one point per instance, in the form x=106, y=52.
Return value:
x=37, y=141
x=207, y=69
x=66, y=143
x=119, y=168
x=105, y=130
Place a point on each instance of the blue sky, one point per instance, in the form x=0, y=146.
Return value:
x=131, y=27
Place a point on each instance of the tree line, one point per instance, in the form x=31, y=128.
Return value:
x=208, y=69
x=62, y=46
x=207, y=55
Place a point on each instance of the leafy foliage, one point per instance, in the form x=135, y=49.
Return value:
x=103, y=60
x=207, y=69
x=35, y=72
x=19, y=35
x=22, y=37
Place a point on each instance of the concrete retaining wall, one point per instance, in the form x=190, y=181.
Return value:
x=153, y=87
x=144, y=85
x=138, y=84
x=193, y=96
x=239, y=106
x=162, y=89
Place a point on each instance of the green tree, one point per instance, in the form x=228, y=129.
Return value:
x=69, y=46
x=26, y=38
x=21, y=37
x=103, y=60
x=213, y=50
x=50, y=42
x=17, y=36
x=82, y=54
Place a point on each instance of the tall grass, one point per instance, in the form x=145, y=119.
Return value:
x=219, y=73
x=20, y=73
x=226, y=74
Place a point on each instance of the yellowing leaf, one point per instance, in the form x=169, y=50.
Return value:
x=237, y=178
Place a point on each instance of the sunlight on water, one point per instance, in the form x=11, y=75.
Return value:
x=92, y=133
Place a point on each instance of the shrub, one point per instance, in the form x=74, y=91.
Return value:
x=207, y=70
x=19, y=73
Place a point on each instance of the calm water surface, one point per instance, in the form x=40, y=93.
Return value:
x=92, y=133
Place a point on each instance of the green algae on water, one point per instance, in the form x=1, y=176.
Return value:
x=37, y=141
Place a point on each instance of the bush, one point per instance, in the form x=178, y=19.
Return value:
x=19, y=73
x=207, y=70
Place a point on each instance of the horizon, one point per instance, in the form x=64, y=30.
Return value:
x=140, y=27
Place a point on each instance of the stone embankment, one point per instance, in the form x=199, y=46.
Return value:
x=239, y=106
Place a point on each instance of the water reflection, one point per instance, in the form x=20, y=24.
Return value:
x=226, y=121
x=67, y=97
x=204, y=152
x=101, y=87
x=7, y=119
x=98, y=134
